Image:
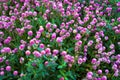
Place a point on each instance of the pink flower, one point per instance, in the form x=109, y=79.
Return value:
x=37, y=54
x=30, y=33
x=63, y=53
x=53, y=36
x=1, y=59
x=42, y=46
x=22, y=46
x=46, y=63
x=15, y=73
x=78, y=37
x=2, y=73
x=99, y=71
x=43, y=52
x=104, y=78
x=80, y=61
x=27, y=52
x=48, y=25
x=118, y=4
x=79, y=43
x=62, y=78
x=55, y=51
x=112, y=46
x=89, y=77
x=59, y=39
x=21, y=60
x=8, y=68
x=47, y=50
x=94, y=61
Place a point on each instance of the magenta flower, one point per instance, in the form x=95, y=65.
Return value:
x=59, y=39
x=30, y=33
x=37, y=54
x=27, y=52
x=2, y=73
x=15, y=73
x=8, y=68
x=53, y=36
x=42, y=46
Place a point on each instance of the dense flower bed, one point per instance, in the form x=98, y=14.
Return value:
x=60, y=39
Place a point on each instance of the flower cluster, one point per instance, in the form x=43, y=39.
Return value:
x=60, y=39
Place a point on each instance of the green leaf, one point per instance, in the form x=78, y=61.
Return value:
x=62, y=66
x=39, y=49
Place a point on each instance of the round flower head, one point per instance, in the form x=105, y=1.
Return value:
x=94, y=61
x=104, y=78
x=30, y=33
x=118, y=4
x=8, y=68
x=1, y=59
x=59, y=39
x=15, y=73
x=27, y=52
x=80, y=61
x=2, y=73
x=42, y=46
x=99, y=71
x=37, y=54
x=48, y=25
x=62, y=78
x=53, y=36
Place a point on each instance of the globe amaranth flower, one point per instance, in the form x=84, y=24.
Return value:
x=8, y=68
x=37, y=54
x=62, y=78
x=43, y=52
x=1, y=59
x=6, y=50
x=94, y=60
x=80, y=61
x=27, y=52
x=15, y=73
x=99, y=71
x=53, y=36
x=2, y=73
x=118, y=4
x=55, y=52
x=59, y=39
x=78, y=37
x=30, y=33
x=22, y=60
x=22, y=46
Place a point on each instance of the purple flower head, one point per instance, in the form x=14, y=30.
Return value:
x=78, y=37
x=99, y=71
x=63, y=53
x=37, y=54
x=53, y=36
x=15, y=73
x=8, y=68
x=59, y=39
x=6, y=50
x=21, y=60
x=27, y=52
x=1, y=59
x=94, y=60
x=48, y=25
x=118, y=4
x=43, y=52
x=30, y=33
x=2, y=73
x=55, y=51
x=22, y=46
x=42, y=46
x=80, y=61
